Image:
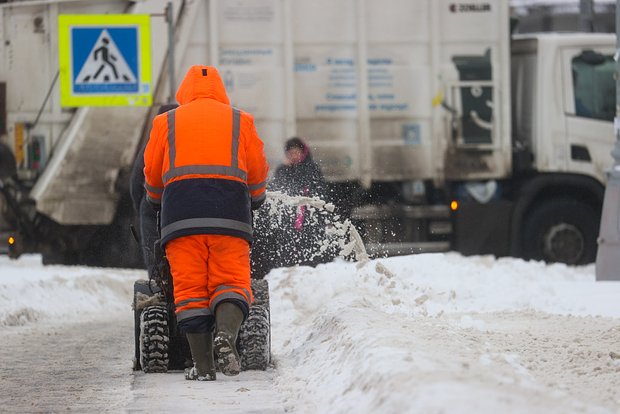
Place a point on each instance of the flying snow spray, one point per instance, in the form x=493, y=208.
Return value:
x=299, y=230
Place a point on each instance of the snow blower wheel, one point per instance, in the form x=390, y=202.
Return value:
x=154, y=339
x=254, y=342
x=160, y=347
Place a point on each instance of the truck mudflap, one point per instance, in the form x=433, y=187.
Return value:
x=482, y=228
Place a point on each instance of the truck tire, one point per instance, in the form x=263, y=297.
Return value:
x=154, y=339
x=254, y=344
x=561, y=230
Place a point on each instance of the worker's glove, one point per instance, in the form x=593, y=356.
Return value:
x=154, y=206
x=256, y=204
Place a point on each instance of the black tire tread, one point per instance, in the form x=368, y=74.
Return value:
x=260, y=290
x=254, y=343
x=154, y=339
x=557, y=210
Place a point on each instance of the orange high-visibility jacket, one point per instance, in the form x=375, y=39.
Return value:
x=204, y=162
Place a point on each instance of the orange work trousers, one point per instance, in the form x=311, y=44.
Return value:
x=207, y=269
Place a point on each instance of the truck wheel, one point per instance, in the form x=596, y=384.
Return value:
x=154, y=339
x=254, y=343
x=561, y=230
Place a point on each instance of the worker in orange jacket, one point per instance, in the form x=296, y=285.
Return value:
x=205, y=165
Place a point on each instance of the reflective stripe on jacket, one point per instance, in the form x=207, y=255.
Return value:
x=205, y=162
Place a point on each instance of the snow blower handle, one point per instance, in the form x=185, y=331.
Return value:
x=162, y=275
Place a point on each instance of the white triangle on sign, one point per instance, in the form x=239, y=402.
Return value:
x=105, y=64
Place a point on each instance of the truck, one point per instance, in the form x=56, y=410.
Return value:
x=436, y=129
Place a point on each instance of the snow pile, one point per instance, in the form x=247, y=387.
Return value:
x=30, y=291
x=406, y=335
x=417, y=334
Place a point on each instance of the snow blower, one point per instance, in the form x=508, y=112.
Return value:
x=159, y=345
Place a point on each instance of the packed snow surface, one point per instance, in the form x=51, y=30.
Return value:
x=432, y=333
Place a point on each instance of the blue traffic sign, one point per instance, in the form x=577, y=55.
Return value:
x=104, y=60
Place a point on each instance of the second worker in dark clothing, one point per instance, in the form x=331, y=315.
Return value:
x=299, y=175
x=296, y=235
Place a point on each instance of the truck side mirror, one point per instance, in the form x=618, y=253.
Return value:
x=591, y=57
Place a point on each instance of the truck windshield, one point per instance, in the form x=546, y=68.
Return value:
x=594, y=85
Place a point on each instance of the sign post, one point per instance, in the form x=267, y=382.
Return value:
x=105, y=60
x=171, y=76
x=608, y=256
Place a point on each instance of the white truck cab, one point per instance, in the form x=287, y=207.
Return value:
x=564, y=101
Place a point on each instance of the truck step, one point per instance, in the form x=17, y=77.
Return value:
x=399, y=249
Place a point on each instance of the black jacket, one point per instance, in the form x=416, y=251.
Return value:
x=303, y=179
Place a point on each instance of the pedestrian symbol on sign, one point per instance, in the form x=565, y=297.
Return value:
x=105, y=68
x=107, y=60
x=104, y=59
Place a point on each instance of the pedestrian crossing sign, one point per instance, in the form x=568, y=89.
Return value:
x=104, y=60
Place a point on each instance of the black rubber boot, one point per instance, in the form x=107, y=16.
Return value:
x=228, y=320
x=201, y=346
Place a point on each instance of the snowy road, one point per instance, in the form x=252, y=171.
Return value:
x=86, y=367
x=251, y=392
x=81, y=367
x=420, y=334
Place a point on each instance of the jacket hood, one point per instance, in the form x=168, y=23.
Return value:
x=202, y=82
